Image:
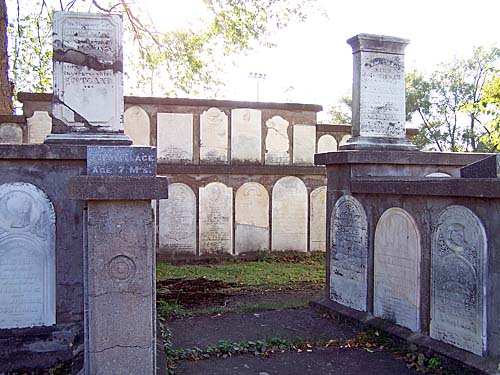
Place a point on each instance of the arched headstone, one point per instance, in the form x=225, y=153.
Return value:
x=277, y=143
x=175, y=137
x=437, y=174
x=397, y=269
x=317, y=221
x=27, y=257
x=246, y=135
x=213, y=136
x=304, y=144
x=458, y=297
x=136, y=123
x=252, y=218
x=39, y=126
x=289, y=217
x=349, y=253
x=327, y=143
x=177, y=220
x=344, y=139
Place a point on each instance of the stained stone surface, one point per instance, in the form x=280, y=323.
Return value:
x=175, y=137
x=252, y=218
x=327, y=143
x=304, y=144
x=488, y=167
x=397, y=269
x=458, y=301
x=213, y=136
x=344, y=139
x=178, y=219
x=317, y=221
x=137, y=125
x=88, y=66
x=277, y=143
x=39, y=126
x=11, y=133
x=349, y=253
x=289, y=218
x=27, y=257
x=216, y=219
x=246, y=135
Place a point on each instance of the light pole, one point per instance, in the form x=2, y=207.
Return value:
x=258, y=77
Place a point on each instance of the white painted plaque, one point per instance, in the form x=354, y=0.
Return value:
x=318, y=220
x=277, y=144
x=27, y=257
x=349, y=253
x=246, y=136
x=177, y=220
x=213, y=136
x=397, y=269
x=39, y=126
x=304, y=144
x=252, y=218
x=175, y=137
x=458, y=292
x=289, y=216
x=137, y=125
x=327, y=143
x=216, y=219
x=11, y=133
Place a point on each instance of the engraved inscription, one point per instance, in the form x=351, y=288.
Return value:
x=213, y=136
x=246, y=134
x=277, y=143
x=175, y=137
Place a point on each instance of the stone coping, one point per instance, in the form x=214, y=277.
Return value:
x=43, y=151
x=285, y=170
x=112, y=188
x=12, y=119
x=422, y=186
x=364, y=319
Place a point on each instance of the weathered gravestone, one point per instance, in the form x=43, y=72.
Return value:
x=137, y=125
x=304, y=144
x=317, y=221
x=246, y=135
x=27, y=257
x=39, y=126
x=327, y=143
x=175, y=137
x=213, y=136
x=458, y=300
x=11, y=133
x=277, y=143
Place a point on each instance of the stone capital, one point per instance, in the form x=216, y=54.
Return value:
x=378, y=43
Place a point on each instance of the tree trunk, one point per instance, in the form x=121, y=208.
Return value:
x=5, y=84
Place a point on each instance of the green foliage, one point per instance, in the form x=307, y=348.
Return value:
x=341, y=112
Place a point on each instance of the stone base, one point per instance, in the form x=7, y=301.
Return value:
x=114, y=139
x=378, y=143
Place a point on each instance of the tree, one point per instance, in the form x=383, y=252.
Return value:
x=490, y=105
x=5, y=85
x=341, y=112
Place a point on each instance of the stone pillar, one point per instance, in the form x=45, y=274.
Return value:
x=378, y=94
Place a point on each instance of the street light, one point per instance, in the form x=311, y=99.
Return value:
x=258, y=77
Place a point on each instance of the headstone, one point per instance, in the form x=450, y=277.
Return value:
x=437, y=174
x=213, y=136
x=458, y=298
x=289, y=216
x=39, y=127
x=246, y=135
x=277, y=144
x=252, y=218
x=344, y=139
x=175, y=137
x=317, y=222
x=121, y=161
x=177, y=220
x=216, y=219
x=137, y=125
x=304, y=144
x=327, y=143
x=11, y=133
x=349, y=253
x=378, y=94
x=488, y=167
x=27, y=257
x=397, y=269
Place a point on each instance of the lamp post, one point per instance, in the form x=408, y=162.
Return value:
x=258, y=77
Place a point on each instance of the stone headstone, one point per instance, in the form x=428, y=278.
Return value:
x=327, y=143
x=175, y=137
x=317, y=222
x=277, y=144
x=27, y=257
x=121, y=161
x=458, y=300
x=177, y=220
x=349, y=253
x=488, y=167
x=437, y=174
x=344, y=139
x=246, y=136
x=289, y=215
x=304, y=144
x=11, y=133
x=397, y=269
x=216, y=219
x=213, y=136
x=39, y=127
x=252, y=218
x=137, y=125
x=378, y=94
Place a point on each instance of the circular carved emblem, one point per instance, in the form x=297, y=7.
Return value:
x=121, y=268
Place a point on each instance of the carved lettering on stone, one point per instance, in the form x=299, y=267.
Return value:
x=304, y=144
x=318, y=220
x=327, y=143
x=137, y=125
x=252, y=218
x=213, y=136
x=397, y=269
x=27, y=257
x=246, y=135
x=177, y=223
x=349, y=253
x=458, y=300
x=39, y=126
x=175, y=137
x=11, y=133
x=289, y=215
x=216, y=219
x=277, y=143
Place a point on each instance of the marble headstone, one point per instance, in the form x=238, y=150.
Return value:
x=349, y=253
x=246, y=135
x=137, y=125
x=277, y=143
x=27, y=257
x=317, y=222
x=327, y=143
x=458, y=297
x=397, y=269
x=289, y=215
x=175, y=137
x=39, y=126
x=252, y=218
x=11, y=133
x=304, y=144
x=213, y=136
